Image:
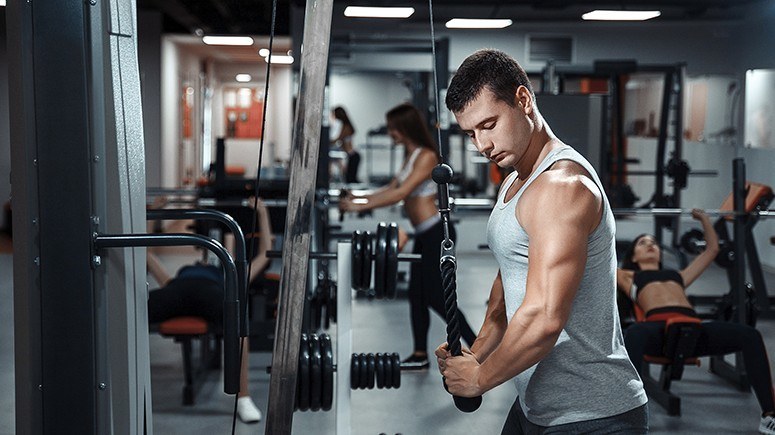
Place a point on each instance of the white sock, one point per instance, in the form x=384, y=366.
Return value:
x=247, y=410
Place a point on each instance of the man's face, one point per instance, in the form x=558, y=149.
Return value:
x=499, y=131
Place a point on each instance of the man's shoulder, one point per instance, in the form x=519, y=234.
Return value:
x=563, y=191
x=566, y=177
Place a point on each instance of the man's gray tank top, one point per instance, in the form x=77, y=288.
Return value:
x=588, y=374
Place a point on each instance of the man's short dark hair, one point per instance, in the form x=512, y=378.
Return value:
x=493, y=69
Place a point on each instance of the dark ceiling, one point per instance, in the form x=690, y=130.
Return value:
x=254, y=16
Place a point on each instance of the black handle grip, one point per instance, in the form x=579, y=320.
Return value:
x=465, y=404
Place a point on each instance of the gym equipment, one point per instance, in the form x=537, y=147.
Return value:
x=306, y=134
x=231, y=351
x=681, y=335
x=684, y=212
x=316, y=368
x=442, y=174
x=448, y=265
x=385, y=256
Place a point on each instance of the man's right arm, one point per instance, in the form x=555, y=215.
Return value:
x=495, y=323
x=492, y=330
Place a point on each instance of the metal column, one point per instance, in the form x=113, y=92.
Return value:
x=78, y=167
x=304, y=156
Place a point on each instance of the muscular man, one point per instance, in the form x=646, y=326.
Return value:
x=551, y=324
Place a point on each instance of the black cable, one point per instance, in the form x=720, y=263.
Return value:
x=442, y=175
x=254, y=219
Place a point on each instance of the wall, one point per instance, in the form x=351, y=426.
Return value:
x=756, y=51
x=149, y=58
x=5, y=137
x=367, y=96
x=279, y=114
x=178, y=155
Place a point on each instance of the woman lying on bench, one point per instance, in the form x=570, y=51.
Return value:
x=660, y=293
x=197, y=291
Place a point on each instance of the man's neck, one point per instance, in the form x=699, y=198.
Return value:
x=542, y=141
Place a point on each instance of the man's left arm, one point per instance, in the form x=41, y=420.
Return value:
x=559, y=214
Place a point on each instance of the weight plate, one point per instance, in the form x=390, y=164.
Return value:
x=380, y=254
x=388, y=361
x=357, y=260
x=327, y=352
x=304, y=372
x=367, y=261
x=315, y=373
x=332, y=301
x=379, y=369
x=396, y=370
x=391, y=261
x=370, y=366
x=363, y=378
x=355, y=371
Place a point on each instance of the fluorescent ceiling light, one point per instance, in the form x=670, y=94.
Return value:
x=609, y=15
x=375, y=12
x=227, y=40
x=280, y=59
x=242, y=78
x=471, y=23
x=2, y=2
x=264, y=52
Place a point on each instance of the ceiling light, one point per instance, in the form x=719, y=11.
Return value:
x=375, y=12
x=280, y=59
x=2, y=2
x=471, y=23
x=242, y=78
x=609, y=15
x=227, y=40
x=264, y=52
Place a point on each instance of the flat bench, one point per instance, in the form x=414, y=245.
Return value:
x=186, y=330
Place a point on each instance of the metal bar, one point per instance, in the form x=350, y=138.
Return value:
x=344, y=337
x=738, y=271
x=755, y=268
x=240, y=259
x=411, y=258
x=303, y=168
x=231, y=355
x=693, y=173
x=678, y=144
x=686, y=212
x=161, y=191
x=664, y=118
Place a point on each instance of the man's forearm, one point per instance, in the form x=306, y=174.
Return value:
x=528, y=339
x=488, y=339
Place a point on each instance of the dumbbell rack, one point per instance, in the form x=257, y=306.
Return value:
x=344, y=336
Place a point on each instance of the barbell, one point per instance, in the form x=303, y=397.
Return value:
x=688, y=212
x=693, y=242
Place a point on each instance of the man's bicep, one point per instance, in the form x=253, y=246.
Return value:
x=558, y=252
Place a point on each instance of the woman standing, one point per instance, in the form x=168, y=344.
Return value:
x=344, y=139
x=413, y=185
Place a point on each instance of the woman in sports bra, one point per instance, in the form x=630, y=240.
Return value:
x=413, y=185
x=660, y=293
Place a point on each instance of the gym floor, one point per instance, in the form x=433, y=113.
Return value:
x=420, y=406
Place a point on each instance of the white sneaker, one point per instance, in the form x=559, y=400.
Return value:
x=249, y=413
x=767, y=425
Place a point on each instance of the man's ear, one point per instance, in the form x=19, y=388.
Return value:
x=524, y=100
